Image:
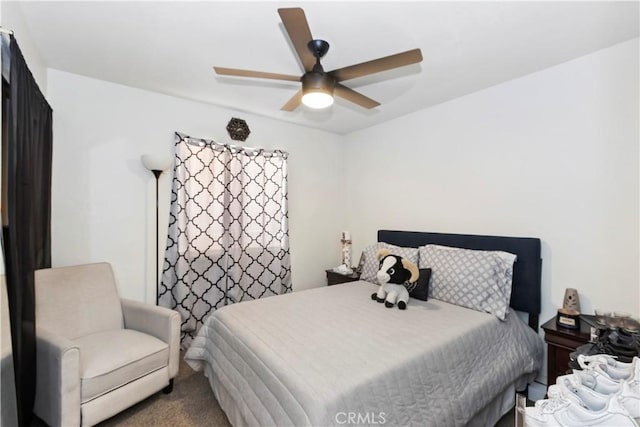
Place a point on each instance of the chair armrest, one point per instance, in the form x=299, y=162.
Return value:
x=58, y=390
x=159, y=322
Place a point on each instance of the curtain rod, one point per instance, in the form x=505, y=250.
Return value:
x=6, y=31
x=201, y=142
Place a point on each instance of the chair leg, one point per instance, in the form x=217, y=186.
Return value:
x=168, y=389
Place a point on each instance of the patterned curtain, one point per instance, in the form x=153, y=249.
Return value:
x=228, y=229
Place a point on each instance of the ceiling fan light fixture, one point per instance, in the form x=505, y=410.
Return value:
x=317, y=100
x=317, y=90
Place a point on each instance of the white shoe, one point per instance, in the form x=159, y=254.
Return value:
x=595, y=381
x=567, y=413
x=629, y=397
x=609, y=366
x=573, y=387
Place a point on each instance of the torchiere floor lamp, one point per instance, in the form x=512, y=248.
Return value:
x=157, y=165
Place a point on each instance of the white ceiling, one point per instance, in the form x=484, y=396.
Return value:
x=170, y=47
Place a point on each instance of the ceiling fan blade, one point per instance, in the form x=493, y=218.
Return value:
x=355, y=97
x=258, y=74
x=377, y=65
x=297, y=27
x=294, y=102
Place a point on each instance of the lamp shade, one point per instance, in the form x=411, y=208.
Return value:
x=156, y=162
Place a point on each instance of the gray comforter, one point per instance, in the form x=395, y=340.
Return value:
x=332, y=356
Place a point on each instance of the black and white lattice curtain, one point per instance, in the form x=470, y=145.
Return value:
x=228, y=235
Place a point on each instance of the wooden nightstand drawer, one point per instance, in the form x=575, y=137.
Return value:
x=561, y=342
x=334, y=278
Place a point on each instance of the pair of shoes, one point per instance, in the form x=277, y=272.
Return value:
x=595, y=381
x=621, y=343
x=591, y=389
x=603, y=373
x=608, y=365
x=605, y=393
x=566, y=412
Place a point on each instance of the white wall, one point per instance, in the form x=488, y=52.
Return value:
x=552, y=155
x=103, y=206
x=11, y=19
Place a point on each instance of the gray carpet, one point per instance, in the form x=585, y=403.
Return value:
x=190, y=404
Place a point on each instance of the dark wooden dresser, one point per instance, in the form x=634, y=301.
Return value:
x=334, y=278
x=561, y=342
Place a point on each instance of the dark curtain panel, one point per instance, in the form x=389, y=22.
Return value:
x=26, y=216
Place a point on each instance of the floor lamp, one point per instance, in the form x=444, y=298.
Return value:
x=157, y=165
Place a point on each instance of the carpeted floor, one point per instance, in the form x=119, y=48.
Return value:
x=190, y=404
x=509, y=420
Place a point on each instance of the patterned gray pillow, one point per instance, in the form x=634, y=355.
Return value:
x=480, y=280
x=371, y=265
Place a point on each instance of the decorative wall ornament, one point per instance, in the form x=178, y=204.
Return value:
x=238, y=129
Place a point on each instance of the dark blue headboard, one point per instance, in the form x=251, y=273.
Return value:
x=525, y=294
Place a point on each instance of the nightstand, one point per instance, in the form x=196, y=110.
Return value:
x=561, y=342
x=334, y=278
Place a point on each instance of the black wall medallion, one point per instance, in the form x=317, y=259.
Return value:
x=238, y=129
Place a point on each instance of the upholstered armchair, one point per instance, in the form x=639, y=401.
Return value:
x=97, y=354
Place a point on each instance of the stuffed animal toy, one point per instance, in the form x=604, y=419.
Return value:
x=394, y=272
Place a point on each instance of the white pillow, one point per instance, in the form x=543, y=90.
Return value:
x=371, y=265
x=480, y=280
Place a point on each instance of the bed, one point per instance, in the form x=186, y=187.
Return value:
x=332, y=356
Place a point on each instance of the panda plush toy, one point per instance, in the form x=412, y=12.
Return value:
x=394, y=272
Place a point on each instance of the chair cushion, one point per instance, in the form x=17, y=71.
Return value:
x=77, y=301
x=111, y=359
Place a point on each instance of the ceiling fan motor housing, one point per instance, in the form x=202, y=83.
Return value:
x=318, y=82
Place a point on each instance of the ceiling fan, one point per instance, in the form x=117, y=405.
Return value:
x=319, y=86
